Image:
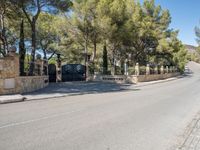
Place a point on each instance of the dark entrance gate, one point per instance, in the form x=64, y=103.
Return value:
x=52, y=72
x=73, y=72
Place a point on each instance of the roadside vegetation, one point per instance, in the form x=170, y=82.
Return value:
x=112, y=32
x=196, y=56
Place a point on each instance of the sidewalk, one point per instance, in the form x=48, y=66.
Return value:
x=56, y=90
x=191, y=137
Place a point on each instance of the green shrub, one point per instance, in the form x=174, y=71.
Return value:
x=131, y=70
x=118, y=70
x=142, y=70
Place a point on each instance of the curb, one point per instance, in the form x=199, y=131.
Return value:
x=66, y=95
x=11, y=99
x=158, y=81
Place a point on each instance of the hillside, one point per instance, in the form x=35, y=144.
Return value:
x=193, y=55
x=191, y=48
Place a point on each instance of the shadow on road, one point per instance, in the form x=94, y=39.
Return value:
x=187, y=74
x=80, y=88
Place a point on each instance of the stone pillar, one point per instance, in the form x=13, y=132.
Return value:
x=126, y=67
x=137, y=69
x=175, y=69
x=38, y=65
x=45, y=66
x=156, y=70
x=13, y=59
x=9, y=72
x=12, y=51
x=147, y=69
x=162, y=70
x=171, y=69
x=59, y=73
x=167, y=69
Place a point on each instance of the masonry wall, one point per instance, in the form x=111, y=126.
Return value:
x=12, y=83
x=108, y=78
x=132, y=78
x=32, y=83
x=153, y=77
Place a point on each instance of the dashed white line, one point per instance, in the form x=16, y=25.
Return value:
x=35, y=120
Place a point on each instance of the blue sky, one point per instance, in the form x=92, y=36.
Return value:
x=185, y=16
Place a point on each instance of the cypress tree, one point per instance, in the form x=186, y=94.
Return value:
x=22, y=50
x=105, y=60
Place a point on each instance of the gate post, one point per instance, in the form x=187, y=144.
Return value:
x=156, y=70
x=162, y=70
x=137, y=69
x=45, y=66
x=148, y=69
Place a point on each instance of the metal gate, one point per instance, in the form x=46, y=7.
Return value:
x=52, y=72
x=73, y=72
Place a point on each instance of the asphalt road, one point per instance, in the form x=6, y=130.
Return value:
x=147, y=118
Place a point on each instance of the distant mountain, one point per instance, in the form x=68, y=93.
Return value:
x=191, y=48
x=193, y=55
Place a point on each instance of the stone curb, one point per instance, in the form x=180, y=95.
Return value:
x=11, y=99
x=65, y=95
x=158, y=81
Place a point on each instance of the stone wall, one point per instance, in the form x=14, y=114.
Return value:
x=108, y=78
x=8, y=72
x=132, y=78
x=153, y=77
x=12, y=83
x=9, y=67
x=32, y=83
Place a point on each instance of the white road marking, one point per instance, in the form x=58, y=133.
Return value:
x=35, y=120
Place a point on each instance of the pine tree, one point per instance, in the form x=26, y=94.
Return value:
x=32, y=11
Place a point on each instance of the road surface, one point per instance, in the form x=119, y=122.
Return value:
x=147, y=118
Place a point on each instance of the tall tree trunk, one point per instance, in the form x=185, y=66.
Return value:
x=105, y=60
x=33, y=29
x=86, y=60
x=3, y=34
x=45, y=63
x=44, y=53
x=51, y=55
x=95, y=51
x=22, y=50
x=113, y=63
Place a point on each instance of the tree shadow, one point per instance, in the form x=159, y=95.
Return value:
x=81, y=88
x=187, y=74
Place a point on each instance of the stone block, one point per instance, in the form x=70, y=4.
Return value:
x=147, y=69
x=9, y=83
x=1, y=66
x=1, y=83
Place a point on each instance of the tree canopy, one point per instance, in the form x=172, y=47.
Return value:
x=127, y=29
